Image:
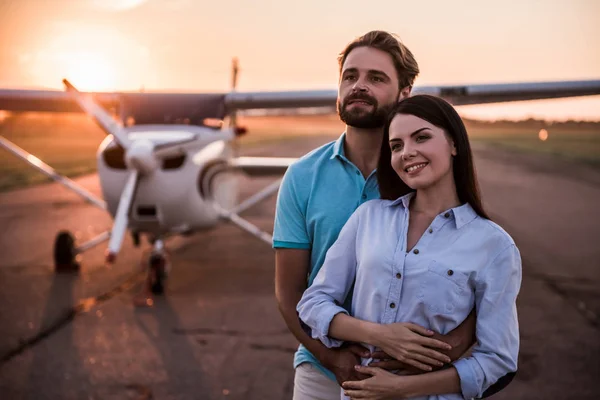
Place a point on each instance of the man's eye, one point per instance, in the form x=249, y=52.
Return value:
x=349, y=77
x=378, y=79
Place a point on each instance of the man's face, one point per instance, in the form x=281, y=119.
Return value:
x=368, y=88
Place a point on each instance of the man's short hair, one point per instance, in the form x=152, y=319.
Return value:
x=404, y=61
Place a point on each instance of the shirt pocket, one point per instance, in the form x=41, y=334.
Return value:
x=445, y=290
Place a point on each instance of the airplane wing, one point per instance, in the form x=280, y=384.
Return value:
x=455, y=94
x=506, y=92
x=160, y=108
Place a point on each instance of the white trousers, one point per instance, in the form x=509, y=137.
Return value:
x=311, y=384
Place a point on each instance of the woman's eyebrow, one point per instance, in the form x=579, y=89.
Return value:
x=412, y=134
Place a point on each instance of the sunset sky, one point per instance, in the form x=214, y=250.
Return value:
x=187, y=45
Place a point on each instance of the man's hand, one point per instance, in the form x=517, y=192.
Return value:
x=388, y=363
x=342, y=362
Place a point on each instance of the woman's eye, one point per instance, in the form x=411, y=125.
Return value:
x=422, y=138
x=396, y=147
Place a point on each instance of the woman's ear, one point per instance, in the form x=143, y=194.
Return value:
x=453, y=151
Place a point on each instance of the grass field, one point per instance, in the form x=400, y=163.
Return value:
x=576, y=142
x=68, y=142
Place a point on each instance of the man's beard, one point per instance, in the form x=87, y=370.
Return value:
x=362, y=119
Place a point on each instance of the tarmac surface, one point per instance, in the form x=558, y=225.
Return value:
x=217, y=333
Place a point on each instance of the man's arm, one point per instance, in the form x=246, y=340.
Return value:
x=461, y=338
x=291, y=271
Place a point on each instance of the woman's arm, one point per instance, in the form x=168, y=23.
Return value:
x=494, y=357
x=385, y=385
x=496, y=352
x=405, y=342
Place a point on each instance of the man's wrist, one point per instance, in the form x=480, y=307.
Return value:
x=320, y=351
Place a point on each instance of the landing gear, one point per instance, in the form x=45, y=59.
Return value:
x=157, y=273
x=65, y=252
x=158, y=268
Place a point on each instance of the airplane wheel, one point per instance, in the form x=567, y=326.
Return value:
x=64, y=253
x=158, y=273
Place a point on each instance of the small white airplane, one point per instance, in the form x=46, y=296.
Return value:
x=174, y=172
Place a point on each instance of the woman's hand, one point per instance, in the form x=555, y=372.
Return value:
x=408, y=343
x=381, y=385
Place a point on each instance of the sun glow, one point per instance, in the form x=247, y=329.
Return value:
x=92, y=57
x=91, y=71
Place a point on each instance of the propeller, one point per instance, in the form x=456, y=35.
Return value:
x=122, y=217
x=142, y=158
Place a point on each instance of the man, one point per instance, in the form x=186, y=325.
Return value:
x=321, y=190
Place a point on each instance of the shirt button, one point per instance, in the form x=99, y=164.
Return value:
x=398, y=275
x=392, y=305
x=416, y=251
x=364, y=196
x=450, y=272
x=357, y=172
x=447, y=215
x=430, y=230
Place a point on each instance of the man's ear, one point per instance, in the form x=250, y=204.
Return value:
x=404, y=93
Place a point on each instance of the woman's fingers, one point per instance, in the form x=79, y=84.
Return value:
x=354, y=394
x=419, y=329
x=436, y=344
x=416, y=364
x=353, y=385
x=434, y=354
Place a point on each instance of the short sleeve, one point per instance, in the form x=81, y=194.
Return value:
x=290, y=214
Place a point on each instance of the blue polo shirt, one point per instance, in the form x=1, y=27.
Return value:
x=318, y=194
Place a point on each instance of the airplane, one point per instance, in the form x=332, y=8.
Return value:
x=168, y=164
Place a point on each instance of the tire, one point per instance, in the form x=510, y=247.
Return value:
x=158, y=273
x=64, y=253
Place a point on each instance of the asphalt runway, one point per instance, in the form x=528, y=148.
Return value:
x=217, y=333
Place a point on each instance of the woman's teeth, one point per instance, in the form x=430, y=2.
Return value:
x=415, y=167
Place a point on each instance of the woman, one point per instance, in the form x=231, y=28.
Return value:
x=421, y=258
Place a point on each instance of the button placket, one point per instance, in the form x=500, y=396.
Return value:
x=389, y=315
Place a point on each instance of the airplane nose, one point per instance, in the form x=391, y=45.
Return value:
x=141, y=157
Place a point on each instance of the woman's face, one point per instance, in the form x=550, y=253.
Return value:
x=421, y=152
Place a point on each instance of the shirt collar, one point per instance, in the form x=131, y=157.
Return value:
x=404, y=200
x=338, y=147
x=461, y=215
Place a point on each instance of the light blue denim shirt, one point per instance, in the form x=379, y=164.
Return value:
x=461, y=261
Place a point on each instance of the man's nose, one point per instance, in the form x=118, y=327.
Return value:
x=360, y=86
